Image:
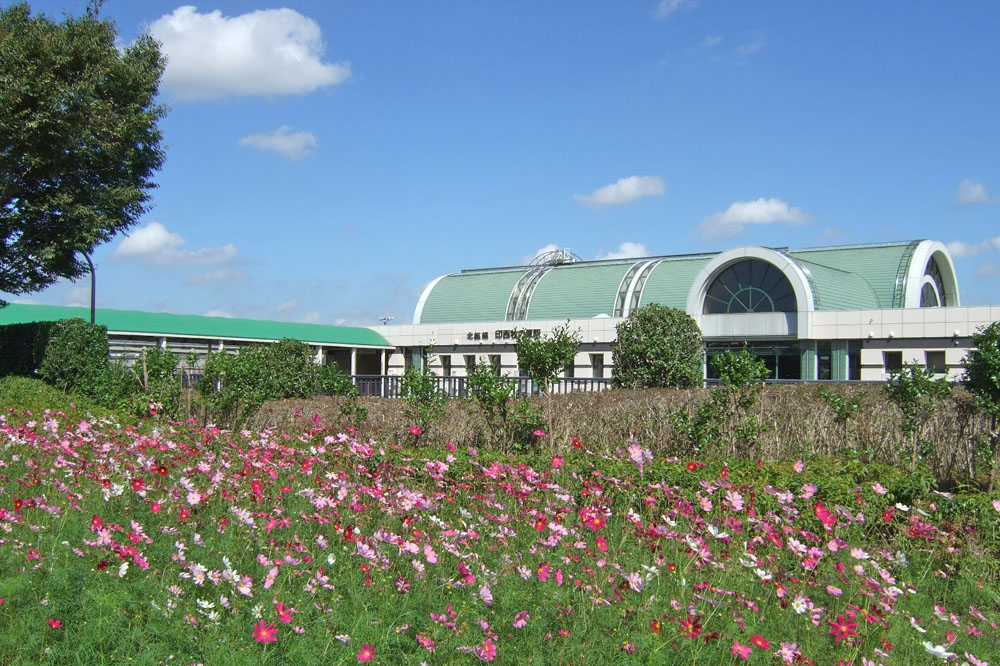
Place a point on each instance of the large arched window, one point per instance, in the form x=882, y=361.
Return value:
x=751, y=285
x=932, y=291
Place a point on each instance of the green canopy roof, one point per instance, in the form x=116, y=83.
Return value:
x=850, y=277
x=159, y=323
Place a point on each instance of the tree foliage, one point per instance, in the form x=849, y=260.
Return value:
x=544, y=356
x=78, y=141
x=982, y=379
x=76, y=355
x=915, y=393
x=658, y=346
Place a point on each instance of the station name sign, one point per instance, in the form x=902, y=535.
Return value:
x=504, y=334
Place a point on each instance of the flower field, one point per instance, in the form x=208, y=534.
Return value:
x=176, y=544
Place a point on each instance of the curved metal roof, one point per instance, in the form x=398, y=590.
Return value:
x=671, y=280
x=161, y=323
x=882, y=265
x=470, y=296
x=578, y=291
x=852, y=277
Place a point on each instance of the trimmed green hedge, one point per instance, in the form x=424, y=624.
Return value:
x=22, y=347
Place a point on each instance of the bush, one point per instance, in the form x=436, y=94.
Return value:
x=543, y=357
x=423, y=403
x=658, y=346
x=75, y=356
x=234, y=387
x=22, y=347
x=982, y=378
x=509, y=421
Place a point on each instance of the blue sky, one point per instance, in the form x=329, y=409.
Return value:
x=327, y=159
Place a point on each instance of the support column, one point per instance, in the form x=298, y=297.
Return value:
x=319, y=355
x=838, y=354
x=354, y=361
x=808, y=371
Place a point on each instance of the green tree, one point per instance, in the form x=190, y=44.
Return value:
x=915, y=393
x=658, y=346
x=742, y=378
x=75, y=356
x=508, y=419
x=543, y=357
x=78, y=141
x=982, y=379
x=423, y=402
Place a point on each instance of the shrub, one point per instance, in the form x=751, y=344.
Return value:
x=543, y=357
x=915, y=393
x=982, y=378
x=658, y=346
x=509, y=421
x=742, y=378
x=423, y=403
x=160, y=381
x=22, y=347
x=75, y=356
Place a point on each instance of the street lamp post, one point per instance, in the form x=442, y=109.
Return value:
x=93, y=286
x=385, y=319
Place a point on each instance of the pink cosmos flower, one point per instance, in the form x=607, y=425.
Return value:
x=486, y=651
x=544, y=571
x=539, y=433
x=798, y=466
x=740, y=650
x=557, y=461
x=284, y=614
x=414, y=430
x=265, y=633
x=54, y=623
x=521, y=619
x=367, y=653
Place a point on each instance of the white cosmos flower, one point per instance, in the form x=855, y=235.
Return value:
x=938, y=650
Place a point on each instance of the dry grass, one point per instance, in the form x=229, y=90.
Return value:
x=798, y=422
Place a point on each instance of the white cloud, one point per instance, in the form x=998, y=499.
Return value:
x=288, y=307
x=623, y=191
x=731, y=221
x=667, y=7
x=283, y=141
x=626, y=250
x=959, y=249
x=972, y=192
x=154, y=245
x=751, y=48
x=265, y=52
x=218, y=313
x=212, y=277
x=310, y=318
x=988, y=270
x=711, y=41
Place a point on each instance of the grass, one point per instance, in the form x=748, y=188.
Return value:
x=173, y=544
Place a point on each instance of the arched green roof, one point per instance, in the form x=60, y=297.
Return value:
x=470, y=296
x=883, y=266
x=670, y=281
x=835, y=289
x=853, y=277
x=578, y=291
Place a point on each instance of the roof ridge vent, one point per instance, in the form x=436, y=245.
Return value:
x=555, y=257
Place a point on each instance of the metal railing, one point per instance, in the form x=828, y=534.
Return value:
x=390, y=386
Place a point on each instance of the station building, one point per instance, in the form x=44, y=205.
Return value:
x=357, y=350
x=852, y=312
